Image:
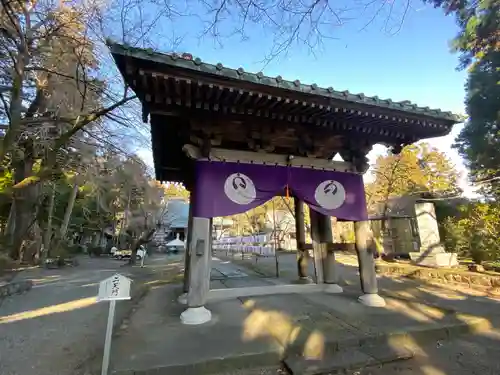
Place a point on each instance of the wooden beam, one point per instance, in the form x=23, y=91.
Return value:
x=314, y=105
x=249, y=157
x=330, y=127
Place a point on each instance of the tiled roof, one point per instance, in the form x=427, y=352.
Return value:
x=186, y=61
x=176, y=215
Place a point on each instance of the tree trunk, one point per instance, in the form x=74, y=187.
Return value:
x=69, y=210
x=47, y=236
x=25, y=203
x=11, y=221
x=37, y=242
x=124, y=223
x=145, y=237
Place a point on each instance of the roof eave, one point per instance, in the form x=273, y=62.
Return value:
x=195, y=66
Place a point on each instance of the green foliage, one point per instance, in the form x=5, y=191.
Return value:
x=418, y=170
x=259, y=219
x=479, y=141
x=121, y=195
x=117, y=195
x=478, y=44
x=344, y=232
x=475, y=232
x=6, y=182
x=175, y=190
x=479, y=22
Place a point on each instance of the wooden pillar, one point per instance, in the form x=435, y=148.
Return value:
x=329, y=265
x=200, y=256
x=330, y=271
x=318, y=246
x=187, y=255
x=302, y=253
x=187, y=258
x=366, y=261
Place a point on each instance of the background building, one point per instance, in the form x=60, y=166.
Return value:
x=173, y=221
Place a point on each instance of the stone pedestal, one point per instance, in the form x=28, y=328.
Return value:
x=372, y=300
x=431, y=252
x=435, y=259
x=196, y=315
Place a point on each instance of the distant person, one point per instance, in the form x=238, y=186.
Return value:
x=142, y=252
x=113, y=250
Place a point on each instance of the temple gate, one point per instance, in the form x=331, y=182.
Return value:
x=236, y=139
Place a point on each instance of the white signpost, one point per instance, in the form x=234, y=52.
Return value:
x=114, y=288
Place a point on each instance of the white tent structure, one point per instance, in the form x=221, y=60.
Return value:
x=177, y=244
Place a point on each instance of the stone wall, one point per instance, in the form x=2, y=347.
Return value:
x=11, y=288
x=440, y=275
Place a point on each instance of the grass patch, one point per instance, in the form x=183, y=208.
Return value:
x=168, y=277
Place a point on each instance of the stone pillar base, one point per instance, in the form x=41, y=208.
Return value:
x=372, y=300
x=183, y=299
x=333, y=288
x=304, y=280
x=196, y=315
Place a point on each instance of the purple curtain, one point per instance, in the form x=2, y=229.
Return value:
x=224, y=188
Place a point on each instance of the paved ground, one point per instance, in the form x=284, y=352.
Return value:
x=287, y=264
x=473, y=355
x=349, y=275
x=251, y=327
x=470, y=355
x=54, y=327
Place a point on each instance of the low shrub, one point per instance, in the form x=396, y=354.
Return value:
x=5, y=263
x=94, y=250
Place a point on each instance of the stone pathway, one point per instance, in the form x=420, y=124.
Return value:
x=287, y=264
x=248, y=332
x=222, y=269
x=471, y=355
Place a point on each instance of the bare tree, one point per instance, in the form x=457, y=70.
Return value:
x=54, y=84
x=301, y=23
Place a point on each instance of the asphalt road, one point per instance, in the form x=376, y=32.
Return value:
x=55, y=326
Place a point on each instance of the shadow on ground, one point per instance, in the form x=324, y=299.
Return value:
x=424, y=330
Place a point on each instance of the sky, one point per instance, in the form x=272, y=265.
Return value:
x=396, y=57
